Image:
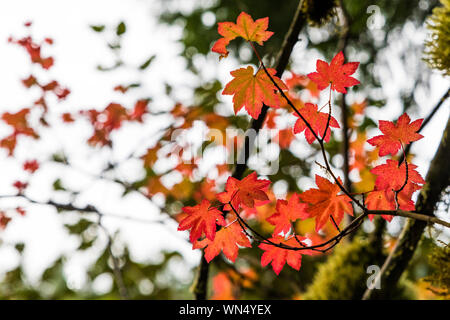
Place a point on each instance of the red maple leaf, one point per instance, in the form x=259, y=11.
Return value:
x=391, y=176
x=394, y=135
x=227, y=240
x=245, y=191
x=336, y=73
x=280, y=256
x=140, y=108
x=251, y=91
x=31, y=165
x=317, y=120
x=244, y=27
x=288, y=212
x=201, y=218
x=20, y=186
x=325, y=201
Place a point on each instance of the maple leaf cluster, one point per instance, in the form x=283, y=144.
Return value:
x=395, y=182
x=111, y=118
x=19, y=120
x=223, y=228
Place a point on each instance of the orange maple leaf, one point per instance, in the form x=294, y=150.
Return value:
x=317, y=120
x=252, y=90
x=296, y=80
x=151, y=156
x=244, y=27
x=227, y=240
x=385, y=200
x=222, y=287
x=288, y=212
x=201, y=218
x=284, y=138
x=245, y=191
x=325, y=201
x=378, y=200
x=336, y=73
x=394, y=135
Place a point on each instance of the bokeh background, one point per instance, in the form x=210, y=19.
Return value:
x=164, y=55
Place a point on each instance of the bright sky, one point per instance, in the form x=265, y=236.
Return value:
x=77, y=51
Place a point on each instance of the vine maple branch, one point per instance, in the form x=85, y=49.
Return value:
x=412, y=215
x=298, y=21
x=308, y=125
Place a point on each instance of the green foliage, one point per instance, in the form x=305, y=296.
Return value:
x=437, y=48
x=121, y=28
x=98, y=28
x=147, y=62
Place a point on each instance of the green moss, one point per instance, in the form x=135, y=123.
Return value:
x=344, y=275
x=437, y=49
x=440, y=262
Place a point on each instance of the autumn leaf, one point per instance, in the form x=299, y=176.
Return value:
x=20, y=186
x=227, y=240
x=244, y=27
x=284, y=138
x=296, y=80
x=391, y=176
x=336, y=73
x=31, y=165
x=19, y=121
x=251, y=91
x=245, y=191
x=4, y=220
x=378, y=200
x=385, y=200
x=151, y=156
x=325, y=202
x=201, y=218
x=394, y=135
x=317, y=120
x=288, y=212
x=222, y=287
x=67, y=117
x=278, y=257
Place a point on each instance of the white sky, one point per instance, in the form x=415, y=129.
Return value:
x=77, y=52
